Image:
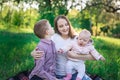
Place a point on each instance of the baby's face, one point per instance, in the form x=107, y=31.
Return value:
x=83, y=40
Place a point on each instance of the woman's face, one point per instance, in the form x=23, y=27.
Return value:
x=63, y=27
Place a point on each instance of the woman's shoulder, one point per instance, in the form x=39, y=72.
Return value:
x=55, y=35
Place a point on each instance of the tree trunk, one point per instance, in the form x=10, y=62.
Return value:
x=96, y=34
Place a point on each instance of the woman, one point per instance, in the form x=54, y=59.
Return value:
x=64, y=34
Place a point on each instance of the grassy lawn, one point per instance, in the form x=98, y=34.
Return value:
x=15, y=55
x=110, y=49
x=15, y=51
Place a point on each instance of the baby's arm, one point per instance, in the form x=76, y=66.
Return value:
x=96, y=54
x=74, y=55
x=80, y=50
x=65, y=48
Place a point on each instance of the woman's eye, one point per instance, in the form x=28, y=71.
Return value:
x=66, y=24
x=61, y=26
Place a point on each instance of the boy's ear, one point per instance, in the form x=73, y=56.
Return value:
x=47, y=32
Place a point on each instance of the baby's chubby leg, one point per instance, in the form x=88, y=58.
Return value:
x=69, y=68
x=81, y=71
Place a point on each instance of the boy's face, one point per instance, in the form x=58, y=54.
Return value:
x=83, y=40
x=50, y=29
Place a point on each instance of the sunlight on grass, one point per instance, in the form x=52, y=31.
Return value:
x=2, y=27
x=16, y=29
x=110, y=40
x=21, y=30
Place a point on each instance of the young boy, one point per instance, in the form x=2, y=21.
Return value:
x=83, y=45
x=45, y=66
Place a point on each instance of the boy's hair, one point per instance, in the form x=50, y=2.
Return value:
x=40, y=28
x=85, y=32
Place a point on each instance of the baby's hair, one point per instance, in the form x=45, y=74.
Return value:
x=85, y=32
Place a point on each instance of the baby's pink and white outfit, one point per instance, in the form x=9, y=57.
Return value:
x=78, y=65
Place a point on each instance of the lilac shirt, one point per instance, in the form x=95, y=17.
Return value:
x=45, y=66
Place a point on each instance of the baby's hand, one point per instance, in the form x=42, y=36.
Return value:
x=60, y=50
x=102, y=58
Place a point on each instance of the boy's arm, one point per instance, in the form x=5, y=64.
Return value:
x=40, y=72
x=39, y=69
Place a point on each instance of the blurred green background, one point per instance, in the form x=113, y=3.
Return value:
x=17, y=40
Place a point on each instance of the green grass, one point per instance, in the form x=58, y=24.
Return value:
x=15, y=55
x=110, y=49
x=15, y=51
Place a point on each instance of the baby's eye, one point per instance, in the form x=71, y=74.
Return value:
x=85, y=40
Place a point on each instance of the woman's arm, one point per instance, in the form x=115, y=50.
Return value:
x=73, y=55
x=37, y=54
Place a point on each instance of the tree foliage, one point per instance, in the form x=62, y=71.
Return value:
x=97, y=12
x=116, y=30
x=48, y=9
x=103, y=11
x=17, y=19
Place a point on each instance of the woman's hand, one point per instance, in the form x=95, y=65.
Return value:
x=74, y=55
x=37, y=54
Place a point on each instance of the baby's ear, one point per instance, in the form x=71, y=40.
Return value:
x=91, y=41
x=77, y=37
